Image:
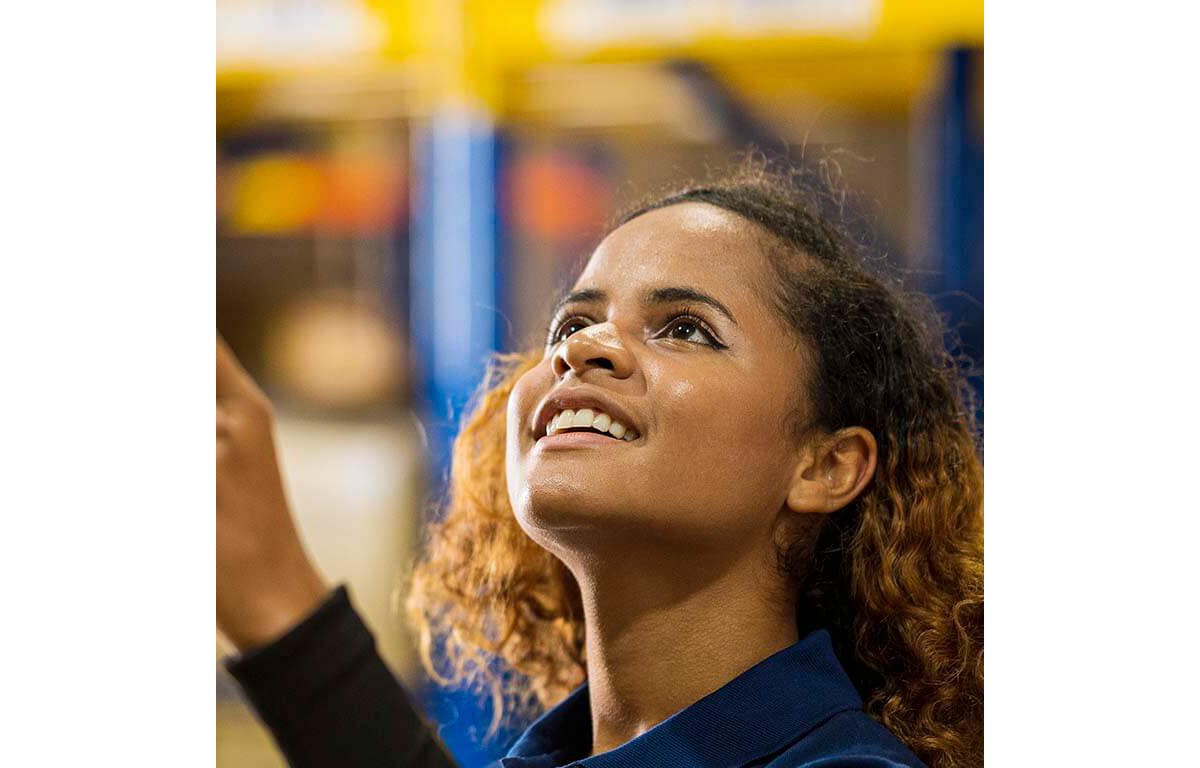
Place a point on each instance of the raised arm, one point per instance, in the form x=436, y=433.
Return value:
x=306, y=661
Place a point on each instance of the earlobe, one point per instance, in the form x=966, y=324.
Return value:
x=808, y=493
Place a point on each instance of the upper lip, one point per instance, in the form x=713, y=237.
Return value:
x=576, y=398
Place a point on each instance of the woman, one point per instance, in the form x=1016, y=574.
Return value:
x=735, y=503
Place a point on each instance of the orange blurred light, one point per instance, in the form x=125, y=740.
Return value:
x=362, y=193
x=558, y=198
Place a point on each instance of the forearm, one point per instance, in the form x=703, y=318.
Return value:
x=329, y=700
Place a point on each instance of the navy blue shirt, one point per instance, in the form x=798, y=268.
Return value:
x=795, y=708
x=329, y=700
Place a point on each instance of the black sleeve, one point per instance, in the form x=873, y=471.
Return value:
x=329, y=700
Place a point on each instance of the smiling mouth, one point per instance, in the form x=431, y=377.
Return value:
x=588, y=421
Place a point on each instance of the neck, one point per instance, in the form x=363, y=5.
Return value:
x=661, y=638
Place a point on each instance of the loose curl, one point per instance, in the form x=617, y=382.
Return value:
x=896, y=577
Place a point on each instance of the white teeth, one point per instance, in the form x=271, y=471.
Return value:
x=589, y=417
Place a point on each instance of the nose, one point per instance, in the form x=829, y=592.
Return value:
x=594, y=347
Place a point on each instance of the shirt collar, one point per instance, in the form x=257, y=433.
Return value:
x=759, y=712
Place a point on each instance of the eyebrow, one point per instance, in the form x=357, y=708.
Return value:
x=665, y=295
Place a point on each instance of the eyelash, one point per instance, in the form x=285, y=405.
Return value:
x=556, y=328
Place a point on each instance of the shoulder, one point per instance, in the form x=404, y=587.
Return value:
x=848, y=739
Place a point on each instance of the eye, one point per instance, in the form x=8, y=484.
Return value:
x=681, y=327
x=692, y=330
x=564, y=329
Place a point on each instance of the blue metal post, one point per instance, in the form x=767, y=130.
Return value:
x=455, y=312
x=457, y=321
x=958, y=237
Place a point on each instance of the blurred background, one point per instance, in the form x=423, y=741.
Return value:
x=403, y=186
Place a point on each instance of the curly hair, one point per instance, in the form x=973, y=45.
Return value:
x=896, y=577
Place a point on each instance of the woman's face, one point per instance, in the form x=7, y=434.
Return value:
x=667, y=332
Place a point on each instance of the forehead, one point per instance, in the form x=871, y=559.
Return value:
x=692, y=244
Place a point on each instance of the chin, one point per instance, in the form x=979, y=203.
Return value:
x=554, y=514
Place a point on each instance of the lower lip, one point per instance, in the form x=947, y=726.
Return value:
x=577, y=440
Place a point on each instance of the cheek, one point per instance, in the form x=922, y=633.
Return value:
x=725, y=410
x=526, y=393
x=522, y=401
x=725, y=439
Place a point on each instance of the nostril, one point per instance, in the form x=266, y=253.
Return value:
x=601, y=362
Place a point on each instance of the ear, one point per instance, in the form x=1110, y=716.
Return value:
x=832, y=472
